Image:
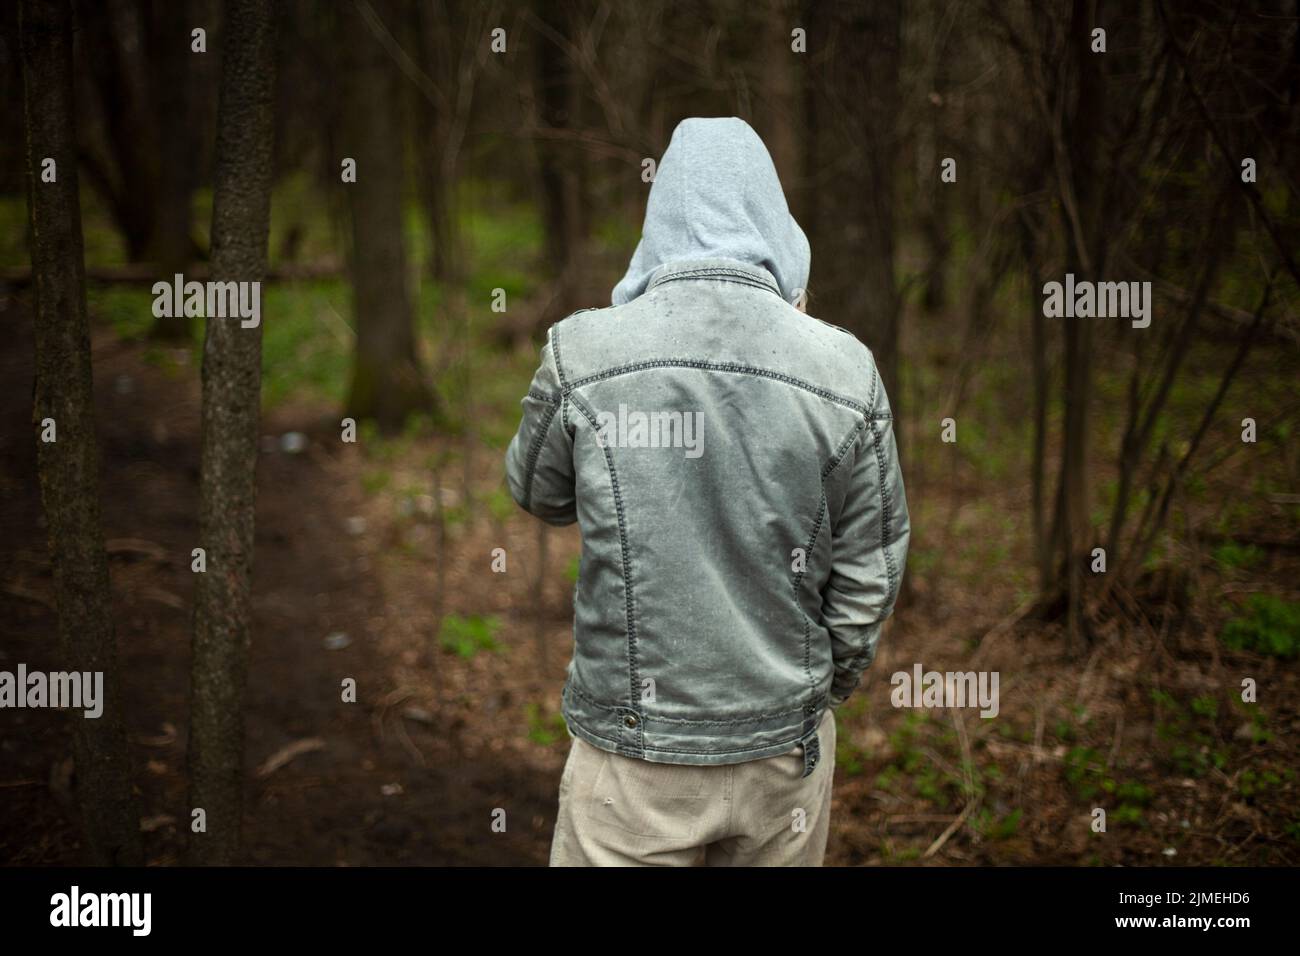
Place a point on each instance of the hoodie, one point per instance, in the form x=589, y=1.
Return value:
x=716, y=195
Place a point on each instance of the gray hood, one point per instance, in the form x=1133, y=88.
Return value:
x=716, y=195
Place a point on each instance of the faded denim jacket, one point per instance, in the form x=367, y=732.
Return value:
x=731, y=464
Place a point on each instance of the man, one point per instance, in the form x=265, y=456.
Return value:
x=732, y=466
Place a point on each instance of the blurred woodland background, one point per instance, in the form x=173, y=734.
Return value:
x=506, y=168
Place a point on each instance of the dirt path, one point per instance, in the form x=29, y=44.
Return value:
x=382, y=788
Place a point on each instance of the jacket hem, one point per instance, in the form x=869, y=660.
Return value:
x=661, y=740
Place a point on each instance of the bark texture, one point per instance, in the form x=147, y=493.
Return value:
x=69, y=466
x=231, y=391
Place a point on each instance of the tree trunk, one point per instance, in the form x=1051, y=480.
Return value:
x=69, y=466
x=114, y=35
x=858, y=205
x=171, y=242
x=559, y=99
x=232, y=373
x=1040, y=382
x=441, y=129
x=1085, y=258
x=387, y=379
x=778, y=80
x=933, y=197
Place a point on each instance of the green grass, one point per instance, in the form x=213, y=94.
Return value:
x=1191, y=746
x=1230, y=554
x=1255, y=783
x=993, y=827
x=1270, y=626
x=128, y=310
x=306, y=341
x=547, y=729
x=500, y=504
x=466, y=636
x=1086, y=773
x=850, y=759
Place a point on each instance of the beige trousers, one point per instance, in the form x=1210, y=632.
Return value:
x=621, y=811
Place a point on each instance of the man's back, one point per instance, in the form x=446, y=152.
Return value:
x=714, y=432
x=731, y=463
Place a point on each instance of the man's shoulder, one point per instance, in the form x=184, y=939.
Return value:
x=781, y=340
x=579, y=319
x=844, y=361
x=585, y=332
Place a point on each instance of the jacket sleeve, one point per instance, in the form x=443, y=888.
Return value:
x=868, y=552
x=539, y=462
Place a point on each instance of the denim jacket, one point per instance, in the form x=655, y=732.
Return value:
x=732, y=467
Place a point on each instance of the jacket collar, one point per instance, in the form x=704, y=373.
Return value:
x=726, y=270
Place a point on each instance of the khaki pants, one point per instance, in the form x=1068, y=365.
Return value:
x=621, y=811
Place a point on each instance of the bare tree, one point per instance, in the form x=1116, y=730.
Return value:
x=388, y=382
x=171, y=244
x=449, y=76
x=560, y=170
x=121, y=163
x=68, y=463
x=1139, y=106
x=231, y=394
x=857, y=110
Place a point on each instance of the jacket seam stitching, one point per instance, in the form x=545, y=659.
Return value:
x=535, y=454
x=723, y=275
x=841, y=452
x=629, y=598
x=854, y=665
x=543, y=397
x=886, y=520
x=697, y=753
x=858, y=407
x=795, y=585
x=559, y=374
x=724, y=722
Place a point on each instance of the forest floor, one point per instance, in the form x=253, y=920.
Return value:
x=459, y=669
